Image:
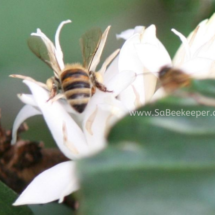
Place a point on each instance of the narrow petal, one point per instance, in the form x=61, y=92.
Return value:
x=151, y=51
x=56, y=118
x=53, y=61
x=26, y=112
x=58, y=51
x=108, y=61
x=197, y=36
x=112, y=70
x=99, y=51
x=52, y=184
x=27, y=99
x=185, y=44
x=210, y=28
x=128, y=33
x=195, y=40
x=29, y=79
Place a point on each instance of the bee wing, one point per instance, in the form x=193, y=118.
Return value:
x=92, y=43
x=89, y=45
x=44, y=49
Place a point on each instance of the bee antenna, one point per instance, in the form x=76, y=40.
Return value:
x=147, y=73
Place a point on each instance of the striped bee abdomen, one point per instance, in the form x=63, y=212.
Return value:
x=75, y=83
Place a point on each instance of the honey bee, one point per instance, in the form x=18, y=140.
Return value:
x=169, y=78
x=77, y=82
x=172, y=78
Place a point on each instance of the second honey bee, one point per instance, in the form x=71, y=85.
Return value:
x=172, y=78
x=77, y=82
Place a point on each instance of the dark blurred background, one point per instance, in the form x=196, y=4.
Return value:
x=20, y=18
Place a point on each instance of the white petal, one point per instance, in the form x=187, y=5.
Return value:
x=130, y=59
x=56, y=118
x=129, y=98
x=58, y=51
x=195, y=40
x=26, y=112
x=120, y=82
x=139, y=29
x=198, y=36
x=198, y=67
x=52, y=184
x=23, y=77
x=27, y=99
x=94, y=128
x=185, y=44
x=51, y=51
x=102, y=110
x=151, y=51
x=112, y=70
x=116, y=109
x=159, y=94
x=125, y=34
x=210, y=31
x=207, y=50
x=67, y=106
x=201, y=41
x=99, y=51
x=128, y=33
x=108, y=61
x=140, y=91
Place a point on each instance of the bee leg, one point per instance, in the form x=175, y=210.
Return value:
x=94, y=78
x=102, y=87
x=53, y=87
x=53, y=94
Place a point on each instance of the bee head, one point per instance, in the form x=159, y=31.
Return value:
x=163, y=71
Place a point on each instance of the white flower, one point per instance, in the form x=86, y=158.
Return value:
x=83, y=134
x=139, y=42
x=77, y=135
x=195, y=56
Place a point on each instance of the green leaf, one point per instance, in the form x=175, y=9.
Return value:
x=7, y=198
x=161, y=164
x=204, y=87
x=53, y=208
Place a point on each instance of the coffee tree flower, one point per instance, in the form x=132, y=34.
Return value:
x=131, y=58
x=132, y=77
x=74, y=141
x=77, y=135
x=195, y=56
